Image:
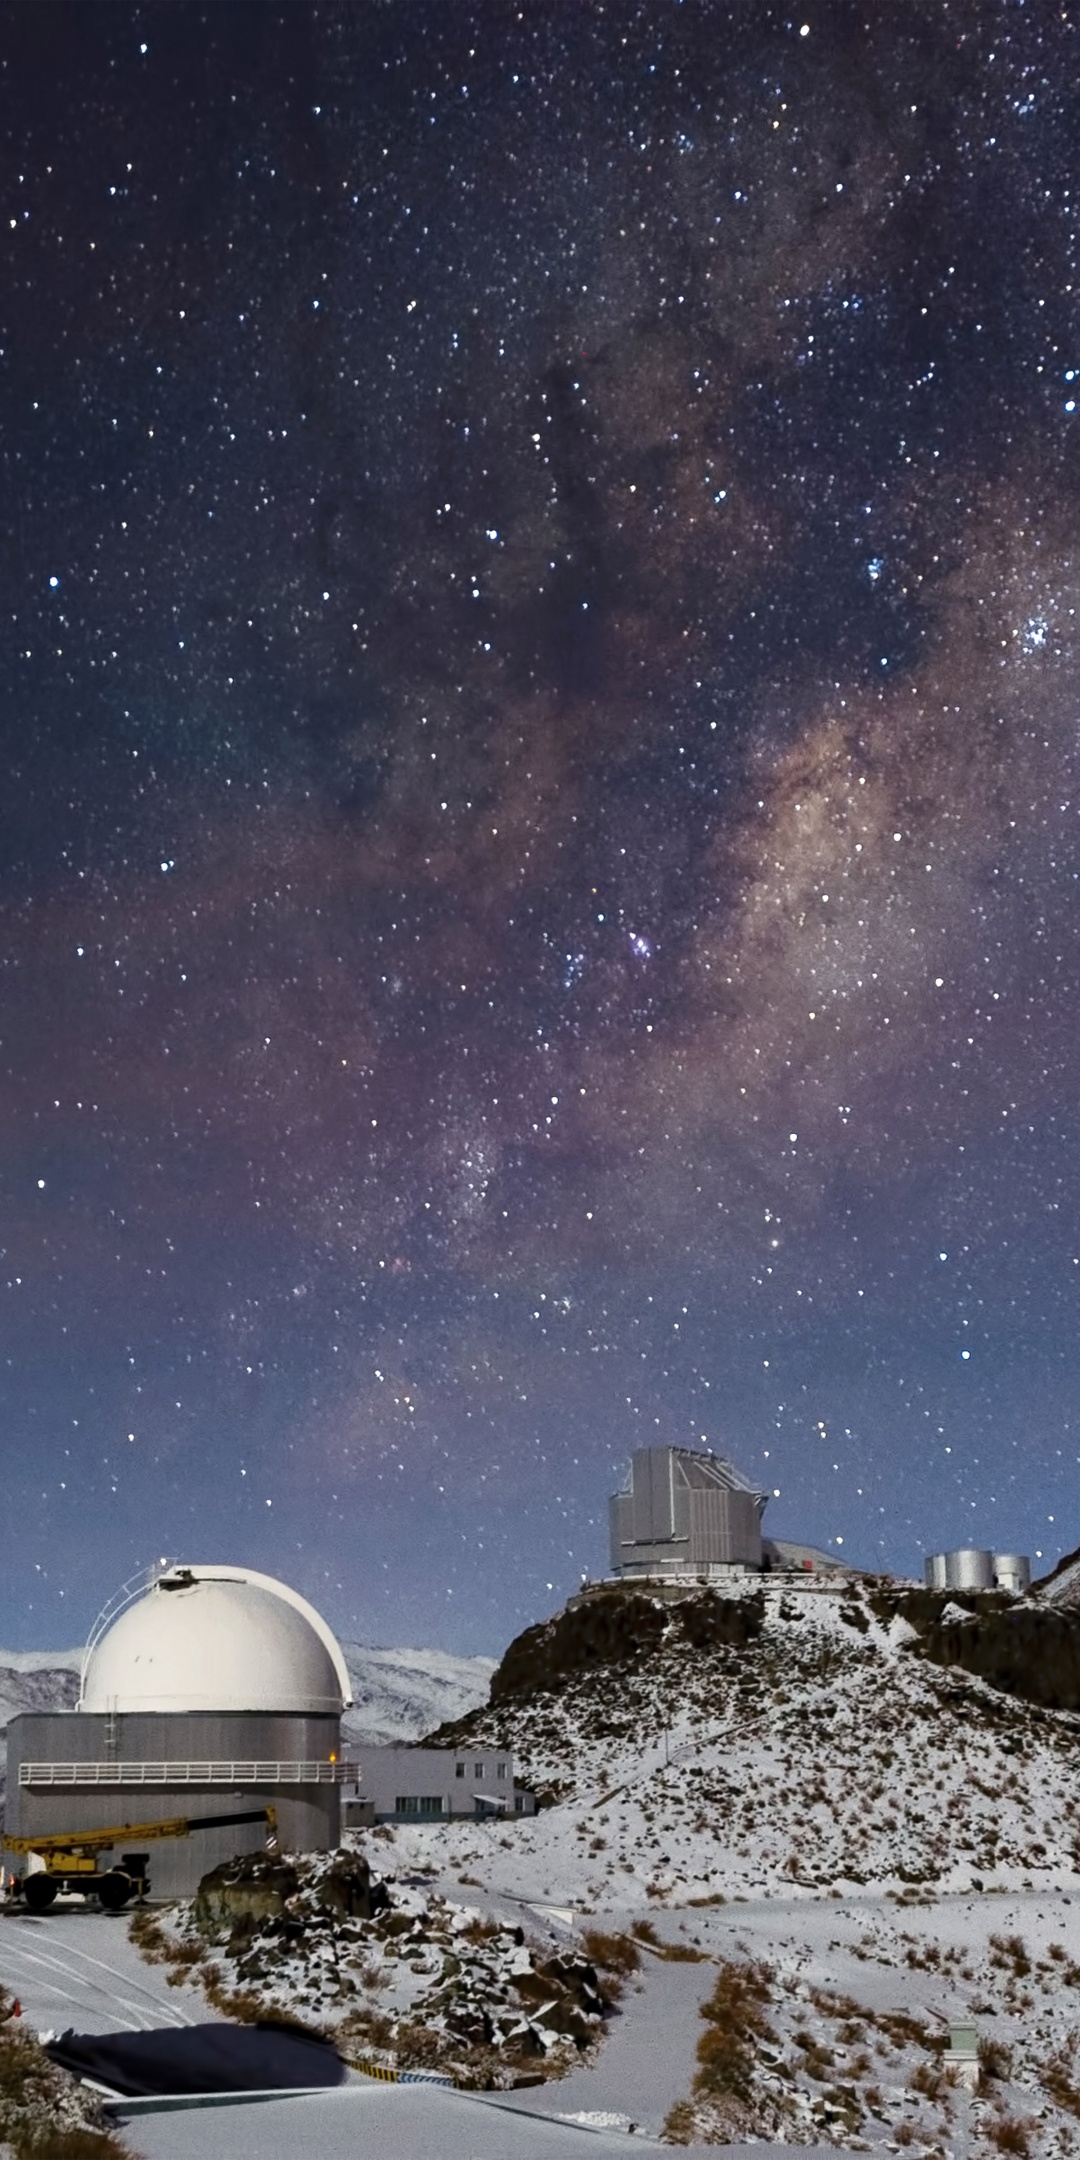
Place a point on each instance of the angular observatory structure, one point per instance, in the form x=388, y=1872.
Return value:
x=685, y=1511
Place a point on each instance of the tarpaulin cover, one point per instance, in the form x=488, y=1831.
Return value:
x=200, y=2059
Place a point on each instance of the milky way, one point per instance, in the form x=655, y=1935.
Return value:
x=541, y=558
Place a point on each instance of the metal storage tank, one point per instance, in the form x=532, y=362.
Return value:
x=205, y=1691
x=969, y=1568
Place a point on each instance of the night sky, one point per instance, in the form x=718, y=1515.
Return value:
x=539, y=841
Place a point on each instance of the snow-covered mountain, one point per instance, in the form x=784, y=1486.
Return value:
x=401, y=1694
x=789, y=1737
x=37, y=1680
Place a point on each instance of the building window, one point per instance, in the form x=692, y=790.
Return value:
x=459, y=1769
x=478, y=1769
x=500, y=1769
x=519, y=1803
x=418, y=1804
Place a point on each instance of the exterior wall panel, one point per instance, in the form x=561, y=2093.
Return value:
x=725, y=1528
x=308, y=1816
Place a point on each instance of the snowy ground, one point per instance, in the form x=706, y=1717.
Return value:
x=861, y=1996
x=370, y=2122
x=76, y=1966
x=825, y=1756
x=844, y=1849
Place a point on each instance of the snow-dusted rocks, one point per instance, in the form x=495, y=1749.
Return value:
x=815, y=1754
x=403, y=1977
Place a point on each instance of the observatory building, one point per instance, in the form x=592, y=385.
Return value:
x=685, y=1512
x=209, y=1691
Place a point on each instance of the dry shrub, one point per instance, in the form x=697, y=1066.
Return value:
x=1010, y=2134
x=364, y=2032
x=417, y=2047
x=1011, y=1950
x=836, y=2006
x=995, y=2058
x=41, y=2106
x=679, y=2124
x=54, y=2144
x=613, y=1953
x=735, y=2021
x=150, y=1939
x=481, y=1931
x=904, y=2030
x=148, y=1935
x=1058, y=2081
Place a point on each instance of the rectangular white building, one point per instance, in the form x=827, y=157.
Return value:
x=433, y=1784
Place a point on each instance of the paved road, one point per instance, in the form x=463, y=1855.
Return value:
x=74, y=1966
x=370, y=2122
x=647, y=2061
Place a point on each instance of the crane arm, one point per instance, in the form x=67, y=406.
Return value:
x=177, y=1826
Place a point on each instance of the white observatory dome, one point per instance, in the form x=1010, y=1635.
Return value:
x=216, y=1638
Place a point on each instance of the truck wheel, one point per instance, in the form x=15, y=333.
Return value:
x=114, y=1890
x=39, y=1892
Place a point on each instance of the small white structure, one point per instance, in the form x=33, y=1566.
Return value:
x=433, y=1784
x=1012, y=1571
x=216, y=1638
x=961, y=2057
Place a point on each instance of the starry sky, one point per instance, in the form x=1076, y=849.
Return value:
x=538, y=838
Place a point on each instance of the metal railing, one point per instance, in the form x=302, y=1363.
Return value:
x=188, y=1773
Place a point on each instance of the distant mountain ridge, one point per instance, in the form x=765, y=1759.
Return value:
x=401, y=1694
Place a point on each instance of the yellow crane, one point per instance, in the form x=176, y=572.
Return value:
x=70, y=1858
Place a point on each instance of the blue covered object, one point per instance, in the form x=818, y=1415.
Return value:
x=201, y=2059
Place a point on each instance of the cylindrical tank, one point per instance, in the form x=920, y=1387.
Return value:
x=969, y=1569
x=1013, y=1572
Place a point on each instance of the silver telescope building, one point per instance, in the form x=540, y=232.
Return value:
x=685, y=1511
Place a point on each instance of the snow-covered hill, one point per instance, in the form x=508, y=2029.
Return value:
x=861, y=1841
x=790, y=1738
x=37, y=1680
